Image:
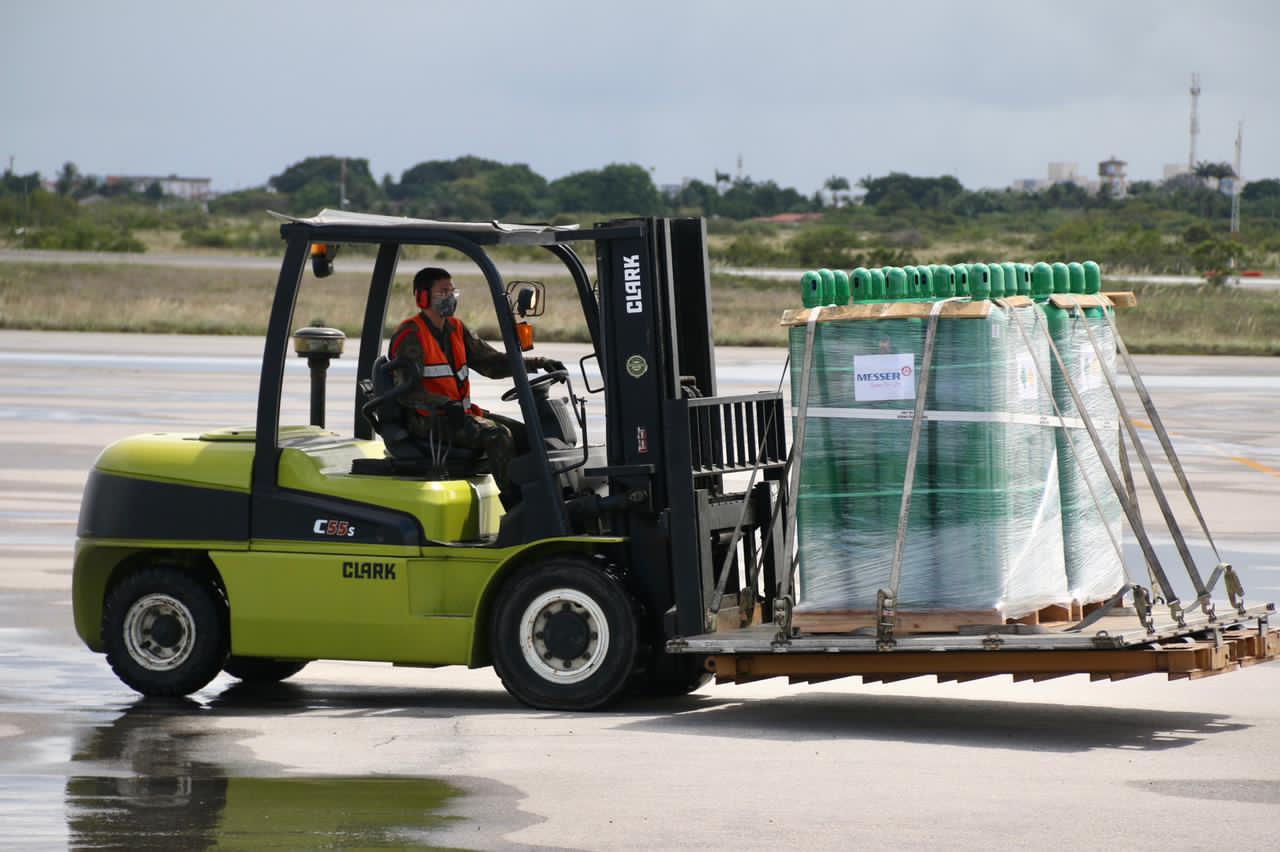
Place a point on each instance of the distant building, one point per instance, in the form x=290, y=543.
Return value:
x=1064, y=173
x=186, y=188
x=1111, y=175
x=1173, y=170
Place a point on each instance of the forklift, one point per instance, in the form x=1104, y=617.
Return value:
x=256, y=550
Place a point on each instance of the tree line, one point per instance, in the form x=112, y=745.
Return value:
x=1176, y=225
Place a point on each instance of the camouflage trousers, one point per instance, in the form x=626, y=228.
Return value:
x=500, y=438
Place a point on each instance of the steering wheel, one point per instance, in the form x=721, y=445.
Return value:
x=539, y=382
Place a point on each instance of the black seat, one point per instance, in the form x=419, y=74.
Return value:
x=407, y=455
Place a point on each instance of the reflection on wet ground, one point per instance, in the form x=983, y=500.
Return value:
x=151, y=789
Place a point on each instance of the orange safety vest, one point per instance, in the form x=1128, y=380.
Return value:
x=438, y=376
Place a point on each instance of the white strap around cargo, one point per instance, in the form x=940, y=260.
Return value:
x=889, y=597
x=954, y=417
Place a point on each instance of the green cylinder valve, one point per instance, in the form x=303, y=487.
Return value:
x=1041, y=280
x=1075, y=277
x=1092, y=277
x=926, y=281
x=879, y=288
x=1061, y=278
x=979, y=281
x=895, y=284
x=960, y=279
x=811, y=289
x=828, y=286
x=1010, y=278
x=1024, y=279
x=860, y=285
x=997, y=280
x=842, y=287
x=943, y=282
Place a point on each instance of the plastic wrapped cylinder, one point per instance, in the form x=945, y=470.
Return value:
x=983, y=533
x=1094, y=569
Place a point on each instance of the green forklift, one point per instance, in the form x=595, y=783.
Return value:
x=256, y=550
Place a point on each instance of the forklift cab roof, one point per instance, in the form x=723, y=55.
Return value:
x=344, y=226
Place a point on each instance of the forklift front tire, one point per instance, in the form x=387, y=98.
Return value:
x=563, y=636
x=165, y=631
x=262, y=669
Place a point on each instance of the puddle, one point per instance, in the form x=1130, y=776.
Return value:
x=191, y=811
x=141, y=782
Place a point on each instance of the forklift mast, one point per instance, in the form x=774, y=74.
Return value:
x=671, y=438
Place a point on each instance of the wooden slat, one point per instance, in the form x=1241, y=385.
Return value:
x=943, y=621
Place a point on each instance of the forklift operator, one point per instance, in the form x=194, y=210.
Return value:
x=447, y=351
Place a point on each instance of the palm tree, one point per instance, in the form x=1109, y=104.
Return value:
x=835, y=185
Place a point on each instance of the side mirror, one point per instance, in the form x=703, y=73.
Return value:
x=527, y=298
x=322, y=255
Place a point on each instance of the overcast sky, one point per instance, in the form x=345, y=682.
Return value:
x=986, y=91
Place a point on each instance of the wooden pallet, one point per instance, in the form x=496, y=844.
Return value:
x=1190, y=659
x=934, y=621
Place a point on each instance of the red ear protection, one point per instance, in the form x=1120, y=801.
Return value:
x=423, y=297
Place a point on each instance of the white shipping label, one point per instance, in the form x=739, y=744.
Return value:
x=882, y=377
x=1028, y=383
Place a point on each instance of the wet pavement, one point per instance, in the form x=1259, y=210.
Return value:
x=360, y=755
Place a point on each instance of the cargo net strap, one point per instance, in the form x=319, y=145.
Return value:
x=784, y=602
x=1235, y=589
x=1124, y=491
x=887, y=599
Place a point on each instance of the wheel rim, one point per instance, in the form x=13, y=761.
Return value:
x=159, y=632
x=564, y=636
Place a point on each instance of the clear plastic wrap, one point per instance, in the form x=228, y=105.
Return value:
x=984, y=532
x=1094, y=569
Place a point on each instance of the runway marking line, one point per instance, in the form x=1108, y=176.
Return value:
x=1247, y=462
x=1258, y=466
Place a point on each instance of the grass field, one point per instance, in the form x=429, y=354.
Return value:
x=1169, y=319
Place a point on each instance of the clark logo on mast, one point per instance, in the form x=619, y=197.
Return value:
x=631, y=283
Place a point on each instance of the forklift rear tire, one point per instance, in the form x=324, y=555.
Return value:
x=563, y=636
x=165, y=631
x=262, y=669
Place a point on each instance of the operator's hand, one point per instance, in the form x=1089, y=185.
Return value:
x=454, y=414
x=548, y=365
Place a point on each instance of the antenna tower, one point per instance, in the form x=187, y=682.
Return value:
x=1195, y=120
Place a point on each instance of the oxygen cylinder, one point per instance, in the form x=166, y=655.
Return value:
x=879, y=290
x=860, y=285
x=895, y=284
x=1075, y=277
x=926, y=282
x=1061, y=278
x=1010, y=278
x=828, y=286
x=996, y=272
x=842, y=287
x=1024, y=279
x=944, y=286
x=960, y=279
x=979, y=281
x=811, y=289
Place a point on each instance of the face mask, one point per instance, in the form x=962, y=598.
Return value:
x=447, y=306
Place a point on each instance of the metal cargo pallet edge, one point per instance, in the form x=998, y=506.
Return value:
x=1115, y=650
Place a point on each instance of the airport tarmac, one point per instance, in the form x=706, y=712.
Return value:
x=367, y=755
